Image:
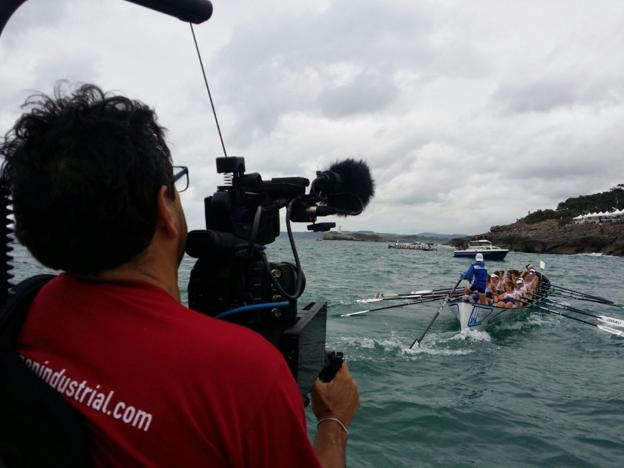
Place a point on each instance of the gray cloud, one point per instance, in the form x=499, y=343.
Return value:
x=339, y=62
x=536, y=97
x=469, y=114
x=554, y=93
x=364, y=94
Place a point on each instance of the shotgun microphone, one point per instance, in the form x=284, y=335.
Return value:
x=346, y=187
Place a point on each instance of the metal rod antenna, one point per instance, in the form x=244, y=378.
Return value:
x=214, y=112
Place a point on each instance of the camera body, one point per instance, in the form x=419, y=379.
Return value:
x=232, y=278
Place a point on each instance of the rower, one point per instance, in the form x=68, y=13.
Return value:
x=477, y=271
x=495, y=283
x=509, y=300
x=519, y=291
x=534, y=281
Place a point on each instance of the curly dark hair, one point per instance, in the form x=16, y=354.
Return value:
x=84, y=169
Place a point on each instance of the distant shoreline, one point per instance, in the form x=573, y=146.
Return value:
x=369, y=236
x=547, y=237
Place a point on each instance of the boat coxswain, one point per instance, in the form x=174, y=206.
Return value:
x=477, y=274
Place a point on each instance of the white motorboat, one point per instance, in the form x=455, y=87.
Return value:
x=484, y=247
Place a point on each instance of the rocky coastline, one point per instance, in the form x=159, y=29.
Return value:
x=370, y=236
x=550, y=237
x=353, y=236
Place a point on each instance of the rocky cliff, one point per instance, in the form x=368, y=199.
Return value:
x=353, y=236
x=550, y=237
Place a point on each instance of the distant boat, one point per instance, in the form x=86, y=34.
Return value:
x=482, y=246
x=427, y=246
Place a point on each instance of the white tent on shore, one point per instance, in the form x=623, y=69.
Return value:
x=616, y=216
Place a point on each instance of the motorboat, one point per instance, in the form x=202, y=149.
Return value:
x=482, y=246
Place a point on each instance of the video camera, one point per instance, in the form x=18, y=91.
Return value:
x=232, y=278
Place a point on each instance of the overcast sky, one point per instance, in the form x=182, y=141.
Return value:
x=469, y=113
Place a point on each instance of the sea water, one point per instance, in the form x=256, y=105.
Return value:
x=544, y=391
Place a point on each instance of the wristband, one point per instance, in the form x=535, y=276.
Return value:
x=336, y=420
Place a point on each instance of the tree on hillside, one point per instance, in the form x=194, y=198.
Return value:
x=603, y=201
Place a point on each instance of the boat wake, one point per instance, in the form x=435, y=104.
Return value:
x=365, y=348
x=425, y=349
x=533, y=320
x=471, y=335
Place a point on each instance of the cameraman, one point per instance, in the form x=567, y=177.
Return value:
x=157, y=384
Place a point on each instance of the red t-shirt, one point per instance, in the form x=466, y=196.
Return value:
x=162, y=385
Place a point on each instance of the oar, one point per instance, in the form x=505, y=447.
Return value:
x=410, y=295
x=603, y=318
x=398, y=297
x=613, y=331
x=418, y=340
x=578, y=297
x=537, y=297
x=584, y=296
x=572, y=292
x=586, y=299
x=361, y=312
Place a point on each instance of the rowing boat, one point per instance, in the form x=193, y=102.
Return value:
x=482, y=316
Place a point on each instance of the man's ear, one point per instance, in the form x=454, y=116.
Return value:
x=165, y=216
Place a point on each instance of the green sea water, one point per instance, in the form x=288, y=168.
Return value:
x=545, y=391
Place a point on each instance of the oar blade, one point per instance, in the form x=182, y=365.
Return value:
x=370, y=300
x=359, y=312
x=446, y=298
x=611, y=321
x=613, y=331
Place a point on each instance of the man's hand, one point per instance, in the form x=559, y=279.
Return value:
x=337, y=399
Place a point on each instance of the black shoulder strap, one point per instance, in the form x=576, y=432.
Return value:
x=14, y=311
x=37, y=426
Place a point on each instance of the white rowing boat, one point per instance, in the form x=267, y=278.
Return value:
x=482, y=316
